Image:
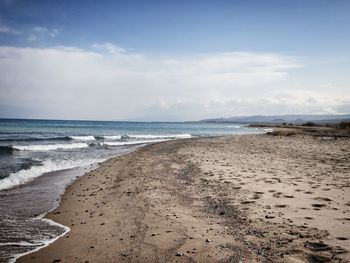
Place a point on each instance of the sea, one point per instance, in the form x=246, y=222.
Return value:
x=40, y=158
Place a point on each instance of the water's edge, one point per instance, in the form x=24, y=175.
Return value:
x=87, y=169
x=51, y=222
x=83, y=171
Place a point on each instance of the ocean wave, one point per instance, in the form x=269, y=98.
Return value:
x=61, y=138
x=86, y=138
x=151, y=136
x=132, y=142
x=49, y=147
x=24, y=176
x=234, y=126
x=112, y=137
x=41, y=243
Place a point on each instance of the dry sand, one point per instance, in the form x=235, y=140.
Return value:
x=250, y=198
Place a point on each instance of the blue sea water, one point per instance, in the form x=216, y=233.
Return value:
x=29, y=148
x=39, y=158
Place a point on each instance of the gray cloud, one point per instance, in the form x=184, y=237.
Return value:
x=68, y=82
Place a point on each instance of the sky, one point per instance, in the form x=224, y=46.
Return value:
x=173, y=60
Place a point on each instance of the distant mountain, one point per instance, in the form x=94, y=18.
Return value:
x=295, y=119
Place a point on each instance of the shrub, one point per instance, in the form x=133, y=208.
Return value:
x=344, y=125
x=309, y=123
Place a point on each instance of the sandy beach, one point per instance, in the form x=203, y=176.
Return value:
x=248, y=198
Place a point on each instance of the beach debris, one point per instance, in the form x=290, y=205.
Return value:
x=179, y=254
x=124, y=254
x=207, y=240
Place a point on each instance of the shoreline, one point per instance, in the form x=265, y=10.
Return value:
x=183, y=164
x=70, y=176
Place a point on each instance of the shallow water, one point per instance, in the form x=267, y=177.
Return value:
x=39, y=158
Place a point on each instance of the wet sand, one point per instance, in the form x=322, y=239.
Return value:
x=249, y=198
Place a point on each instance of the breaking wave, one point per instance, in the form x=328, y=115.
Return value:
x=150, y=136
x=83, y=138
x=24, y=176
x=48, y=147
x=132, y=142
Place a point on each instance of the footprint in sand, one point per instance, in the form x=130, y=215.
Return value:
x=255, y=197
x=247, y=202
x=342, y=238
x=277, y=195
x=281, y=206
x=317, y=246
x=318, y=259
x=318, y=205
x=322, y=199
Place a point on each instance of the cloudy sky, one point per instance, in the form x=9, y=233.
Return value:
x=173, y=60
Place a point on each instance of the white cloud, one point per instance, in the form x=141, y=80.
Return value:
x=42, y=32
x=40, y=29
x=7, y=30
x=32, y=37
x=110, y=48
x=68, y=82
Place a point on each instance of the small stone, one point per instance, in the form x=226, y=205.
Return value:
x=179, y=254
x=207, y=240
x=124, y=254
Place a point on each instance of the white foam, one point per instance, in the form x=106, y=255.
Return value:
x=234, y=126
x=24, y=176
x=112, y=137
x=132, y=142
x=167, y=136
x=49, y=147
x=83, y=138
x=43, y=243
